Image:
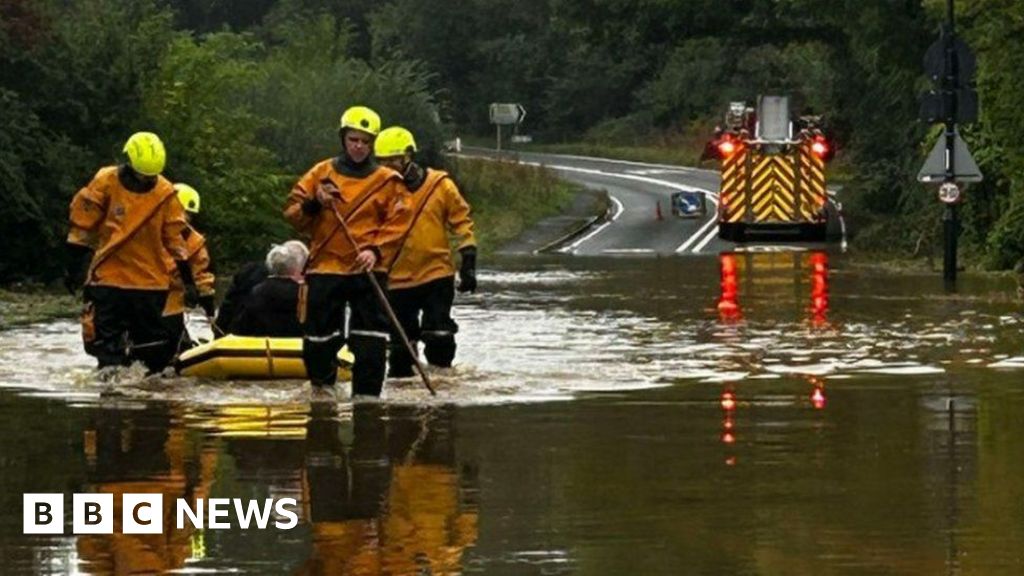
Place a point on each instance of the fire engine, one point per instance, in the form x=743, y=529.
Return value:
x=772, y=172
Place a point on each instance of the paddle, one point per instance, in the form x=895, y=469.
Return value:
x=336, y=194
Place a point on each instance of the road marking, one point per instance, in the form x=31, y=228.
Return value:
x=615, y=215
x=626, y=162
x=713, y=196
x=656, y=171
x=680, y=187
x=711, y=235
x=627, y=251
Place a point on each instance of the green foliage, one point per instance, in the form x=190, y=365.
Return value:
x=506, y=197
x=691, y=82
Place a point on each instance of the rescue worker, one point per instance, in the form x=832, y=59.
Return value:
x=198, y=259
x=342, y=204
x=421, y=277
x=271, y=308
x=123, y=223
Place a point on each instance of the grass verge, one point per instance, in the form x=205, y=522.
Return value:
x=29, y=304
x=507, y=197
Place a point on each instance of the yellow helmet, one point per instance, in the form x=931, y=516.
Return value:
x=146, y=154
x=360, y=118
x=393, y=141
x=188, y=197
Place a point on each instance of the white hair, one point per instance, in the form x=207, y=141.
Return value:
x=287, y=259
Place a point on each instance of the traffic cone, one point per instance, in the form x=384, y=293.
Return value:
x=657, y=211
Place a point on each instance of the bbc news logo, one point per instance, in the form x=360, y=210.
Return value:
x=93, y=513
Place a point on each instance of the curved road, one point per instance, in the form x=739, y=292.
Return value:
x=636, y=190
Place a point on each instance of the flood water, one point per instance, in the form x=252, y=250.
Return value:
x=773, y=413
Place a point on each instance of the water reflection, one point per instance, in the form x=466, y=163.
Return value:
x=779, y=276
x=383, y=493
x=147, y=451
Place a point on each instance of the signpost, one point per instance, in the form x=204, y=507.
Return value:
x=506, y=113
x=951, y=65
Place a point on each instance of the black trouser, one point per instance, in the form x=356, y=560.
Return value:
x=437, y=330
x=323, y=330
x=121, y=325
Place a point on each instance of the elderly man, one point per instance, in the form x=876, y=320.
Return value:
x=271, y=308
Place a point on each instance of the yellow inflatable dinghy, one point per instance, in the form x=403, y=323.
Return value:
x=253, y=358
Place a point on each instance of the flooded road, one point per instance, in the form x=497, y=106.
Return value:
x=768, y=413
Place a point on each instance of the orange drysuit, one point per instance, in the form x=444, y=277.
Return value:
x=364, y=203
x=131, y=233
x=199, y=260
x=419, y=250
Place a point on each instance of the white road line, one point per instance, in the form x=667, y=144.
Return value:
x=627, y=251
x=629, y=162
x=708, y=238
x=672, y=185
x=618, y=212
x=757, y=248
x=657, y=171
x=680, y=187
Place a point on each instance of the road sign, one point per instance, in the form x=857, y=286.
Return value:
x=949, y=193
x=935, y=62
x=505, y=113
x=938, y=106
x=964, y=167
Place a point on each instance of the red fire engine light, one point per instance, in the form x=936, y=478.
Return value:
x=819, y=285
x=818, y=398
x=728, y=301
x=726, y=148
x=820, y=148
x=728, y=401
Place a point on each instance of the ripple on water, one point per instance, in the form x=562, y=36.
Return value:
x=530, y=339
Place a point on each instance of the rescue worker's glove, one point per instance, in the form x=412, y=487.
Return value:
x=189, y=283
x=311, y=206
x=208, y=306
x=467, y=272
x=75, y=265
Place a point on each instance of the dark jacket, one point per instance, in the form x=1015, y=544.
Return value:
x=241, y=288
x=270, y=310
